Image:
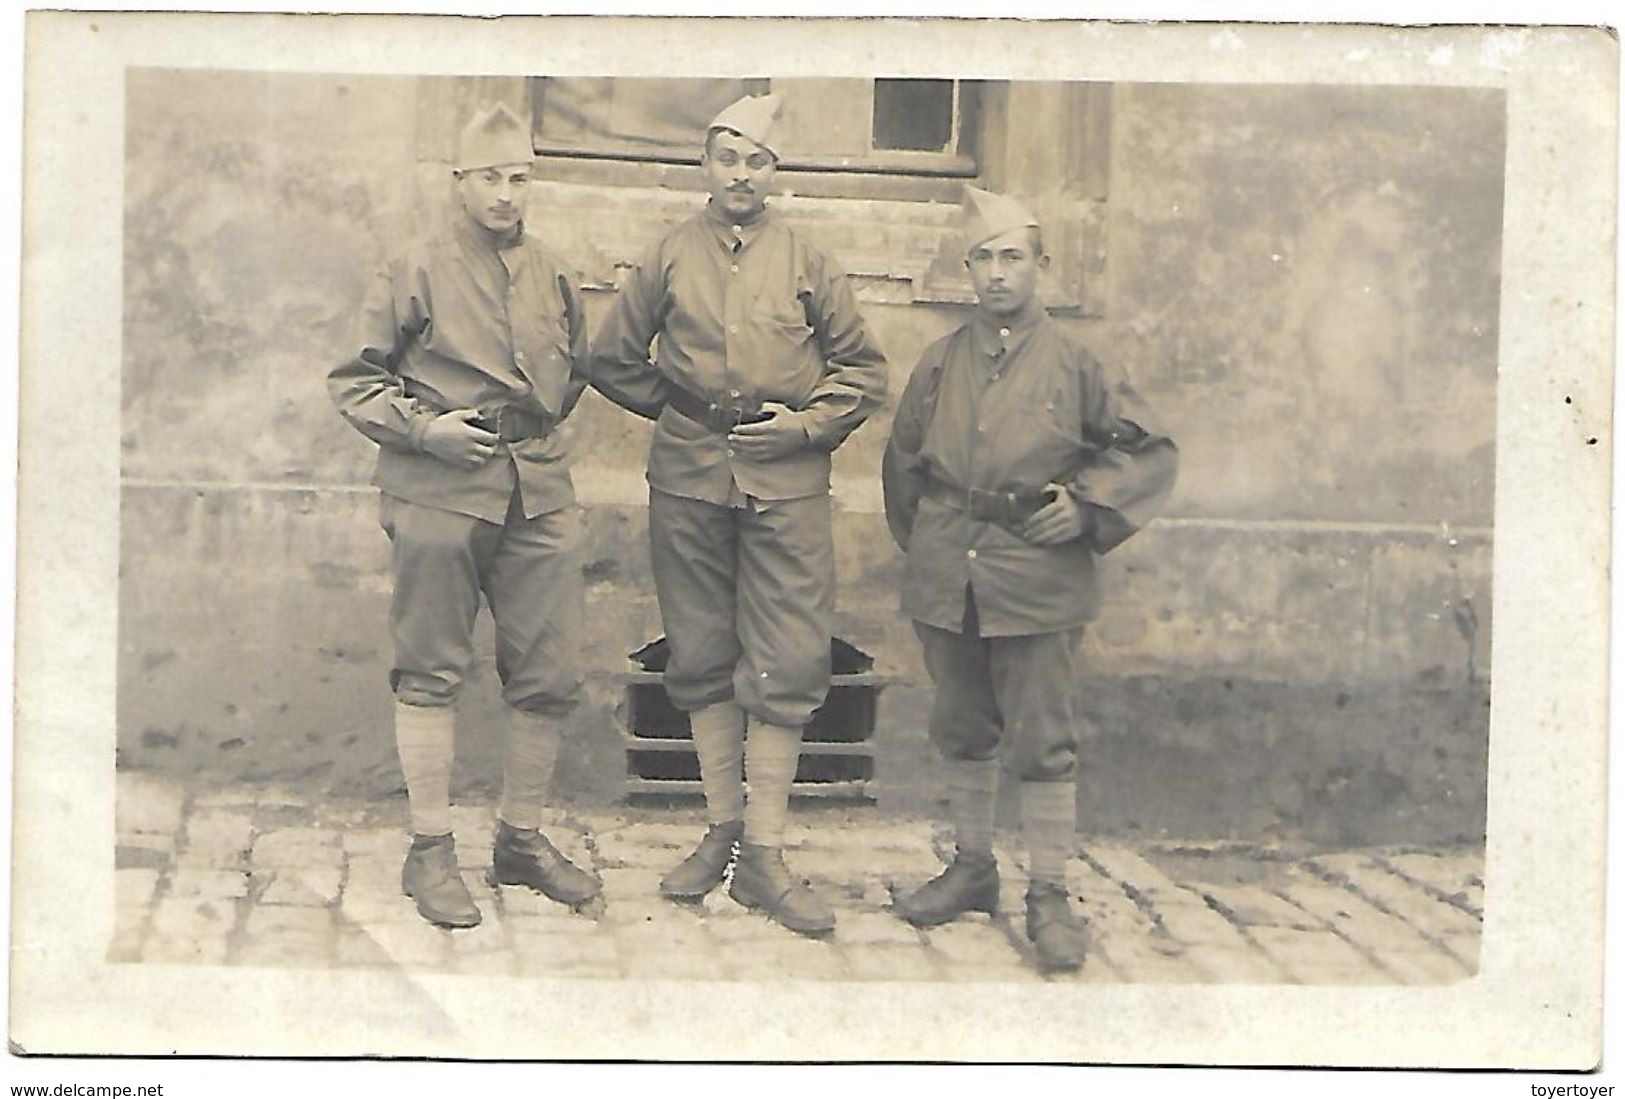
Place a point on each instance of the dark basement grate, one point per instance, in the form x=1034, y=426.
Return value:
x=837, y=757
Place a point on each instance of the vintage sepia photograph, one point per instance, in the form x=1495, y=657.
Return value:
x=898, y=530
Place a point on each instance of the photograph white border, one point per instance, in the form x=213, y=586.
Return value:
x=1536, y=1002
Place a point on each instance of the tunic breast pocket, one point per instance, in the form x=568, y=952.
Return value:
x=788, y=325
x=1045, y=421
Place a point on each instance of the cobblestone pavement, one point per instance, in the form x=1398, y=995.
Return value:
x=263, y=876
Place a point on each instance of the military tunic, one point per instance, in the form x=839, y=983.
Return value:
x=742, y=548
x=1011, y=406
x=467, y=319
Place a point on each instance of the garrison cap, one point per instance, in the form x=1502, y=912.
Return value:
x=494, y=136
x=984, y=215
x=752, y=117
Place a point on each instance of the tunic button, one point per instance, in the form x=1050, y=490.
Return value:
x=981, y=427
x=519, y=357
x=1004, y=333
x=738, y=230
x=971, y=554
x=733, y=392
x=733, y=330
x=734, y=267
x=730, y=452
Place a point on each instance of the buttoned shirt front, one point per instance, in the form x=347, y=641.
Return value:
x=1015, y=405
x=467, y=319
x=745, y=314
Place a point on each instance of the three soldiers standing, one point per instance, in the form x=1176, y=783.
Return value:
x=1014, y=460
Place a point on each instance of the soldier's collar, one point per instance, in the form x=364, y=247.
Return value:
x=996, y=336
x=729, y=230
x=480, y=237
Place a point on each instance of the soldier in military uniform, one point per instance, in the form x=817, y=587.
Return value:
x=764, y=367
x=469, y=342
x=1015, y=459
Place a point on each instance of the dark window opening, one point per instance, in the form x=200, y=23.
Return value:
x=914, y=114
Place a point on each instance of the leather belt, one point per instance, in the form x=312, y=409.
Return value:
x=987, y=506
x=508, y=422
x=718, y=419
x=515, y=425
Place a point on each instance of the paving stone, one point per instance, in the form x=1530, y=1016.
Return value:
x=790, y=958
x=193, y=916
x=169, y=949
x=1398, y=897
x=1240, y=963
x=630, y=883
x=874, y=928
x=304, y=886
x=276, y=795
x=1450, y=878
x=1138, y=961
x=213, y=858
x=414, y=943
x=388, y=907
x=662, y=938
x=1464, y=946
x=354, y=947
x=147, y=802
x=1127, y=866
x=541, y=955
x=613, y=830
x=297, y=847
x=1317, y=957
x=649, y=963
x=382, y=845
x=746, y=927
x=1255, y=906
x=1432, y=967
x=1017, y=972
x=232, y=829
x=1199, y=926
x=1403, y=948
x=288, y=921
x=970, y=939
x=227, y=797
x=187, y=882
x=488, y=935
x=896, y=963
x=143, y=849
x=492, y=963
x=133, y=888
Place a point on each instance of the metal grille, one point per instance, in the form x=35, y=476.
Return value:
x=837, y=758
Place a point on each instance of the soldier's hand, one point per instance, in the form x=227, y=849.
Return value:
x=1060, y=520
x=451, y=438
x=780, y=434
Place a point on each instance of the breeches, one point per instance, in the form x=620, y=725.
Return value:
x=748, y=600
x=528, y=570
x=1020, y=692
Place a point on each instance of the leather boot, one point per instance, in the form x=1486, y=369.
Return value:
x=969, y=884
x=761, y=880
x=523, y=856
x=431, y=878
x=705, y=866
x=1055, y=930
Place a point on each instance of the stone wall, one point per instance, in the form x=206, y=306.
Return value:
x=1303, y=280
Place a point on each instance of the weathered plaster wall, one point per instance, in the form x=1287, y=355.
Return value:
x=1308, y=630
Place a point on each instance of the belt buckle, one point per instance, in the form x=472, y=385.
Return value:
x=727, y=418
x=980, y=502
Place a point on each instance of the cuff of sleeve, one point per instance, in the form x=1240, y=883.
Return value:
x=414, y=432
